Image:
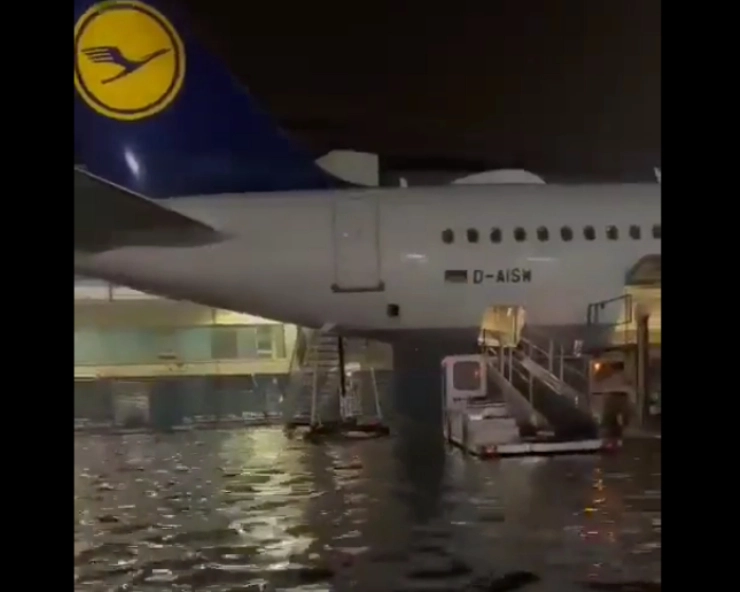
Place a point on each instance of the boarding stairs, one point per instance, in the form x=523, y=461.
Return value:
x=533, y=381
x=565, y=373
x=515, y=403
x=317, y=396
x=314, y=379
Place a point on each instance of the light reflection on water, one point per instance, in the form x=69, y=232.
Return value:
x=223, y=511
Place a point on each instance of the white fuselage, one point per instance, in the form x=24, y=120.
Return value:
x=343, y=257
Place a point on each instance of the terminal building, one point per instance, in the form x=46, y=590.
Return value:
x=143, y=359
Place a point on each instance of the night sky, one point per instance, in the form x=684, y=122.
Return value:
x=567, y=87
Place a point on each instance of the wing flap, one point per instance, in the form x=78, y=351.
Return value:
x=108, y=216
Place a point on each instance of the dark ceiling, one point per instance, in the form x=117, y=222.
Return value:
x=568, y=87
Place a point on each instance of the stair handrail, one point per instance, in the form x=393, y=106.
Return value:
x=515, y=365
x=558, y=369
x=376, y=395
x=484, y=346
x=554, y=383
x=289, y=395
x=592, y=312
x=304, y=338
x=317, y=382
x=314, y=392
x=523, y=373
x=562, y=368
x=497, y=370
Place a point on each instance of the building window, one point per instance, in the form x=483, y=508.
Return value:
x=612, y=232
x=88, y=348
x=543, y=234
x=194, y=344
x=224, y=343
x=472, y=235
x=164, y=342
x=448, y=237
x=589, y=233
x=656, y=231
x=264, y=341
x=566, y=233
x=520, y=234
x=635, y=232
x=247, y=342
x=278, y=336
x=136, y=346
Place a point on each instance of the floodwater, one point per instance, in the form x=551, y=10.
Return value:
x=251, y=510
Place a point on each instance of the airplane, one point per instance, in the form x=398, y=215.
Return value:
x=190, y=191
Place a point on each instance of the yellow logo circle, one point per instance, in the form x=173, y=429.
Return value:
x=129, y=60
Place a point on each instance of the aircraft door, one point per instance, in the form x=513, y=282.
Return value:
x=356, y=245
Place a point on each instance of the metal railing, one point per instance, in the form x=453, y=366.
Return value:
x=294, y=384
x=564, y=376
x=594, y=310
x=316, y=379
x=557, y=361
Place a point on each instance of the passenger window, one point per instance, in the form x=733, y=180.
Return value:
x=520, y=234
x=612, y=233
x=448, y=236
x=566, y=233
x=495, y=235
x=635, y=232
x=472, y=235
x=543, y=234
x=589, y=233
x=656, y=231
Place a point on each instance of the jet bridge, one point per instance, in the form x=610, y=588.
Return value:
x=613, y=323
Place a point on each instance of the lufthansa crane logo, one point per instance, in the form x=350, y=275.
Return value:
x=129, y=60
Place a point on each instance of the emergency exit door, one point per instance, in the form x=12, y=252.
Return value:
x=356, y=245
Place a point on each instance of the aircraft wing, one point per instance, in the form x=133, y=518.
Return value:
x=108, y=217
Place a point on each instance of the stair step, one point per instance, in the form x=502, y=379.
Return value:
x=316, y=382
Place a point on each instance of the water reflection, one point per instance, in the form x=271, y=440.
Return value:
x=221, y=511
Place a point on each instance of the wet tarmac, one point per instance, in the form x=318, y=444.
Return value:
x=249, y=510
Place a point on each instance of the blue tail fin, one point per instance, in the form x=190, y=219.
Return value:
x=158, y=114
